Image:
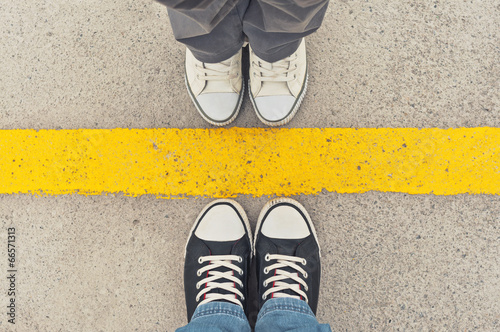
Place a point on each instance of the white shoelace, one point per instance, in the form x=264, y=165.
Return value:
x=280, y=71
x=280, y=275
x=213, y=276
x=220, y=71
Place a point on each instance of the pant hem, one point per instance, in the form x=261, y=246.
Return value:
x=219, y=57
x=219, y=309
x=285, y=304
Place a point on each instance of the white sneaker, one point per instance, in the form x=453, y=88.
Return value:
x=215, y=88
x=277, y=89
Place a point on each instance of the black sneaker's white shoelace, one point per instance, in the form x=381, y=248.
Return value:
x=212, y=283
x=280, y=275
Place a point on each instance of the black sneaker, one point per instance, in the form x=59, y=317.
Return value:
x=217, y=257
x=287, y=253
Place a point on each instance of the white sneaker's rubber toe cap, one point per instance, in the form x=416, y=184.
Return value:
x=218, y=107
x=275, y=108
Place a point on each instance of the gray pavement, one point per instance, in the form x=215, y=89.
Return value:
x=391, y=261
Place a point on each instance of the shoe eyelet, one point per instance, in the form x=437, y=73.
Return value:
x=304, y=261
x=200, y=260
x=197, y=299
x=240, y=259
x=263, y=297
x=243, y=298
x=198, y=273
x=305, y=275
x=306, y=288
x=198, y=286
x=241, y=272
x=264, y=284
x=266, y=271
x=267, y=257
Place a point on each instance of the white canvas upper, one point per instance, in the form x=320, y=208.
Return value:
x=277, y=89
x=215, y=88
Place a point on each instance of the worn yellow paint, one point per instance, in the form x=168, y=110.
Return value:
x=255, y=161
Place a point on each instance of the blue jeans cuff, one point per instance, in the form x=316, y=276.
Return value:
x=219, y=308
x=285, y=304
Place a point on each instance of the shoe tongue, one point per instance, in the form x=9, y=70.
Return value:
x=274, y=89
x=217, y=87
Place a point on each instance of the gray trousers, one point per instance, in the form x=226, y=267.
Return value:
x=214, y=30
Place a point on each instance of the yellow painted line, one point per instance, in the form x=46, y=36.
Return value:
x=255, y=161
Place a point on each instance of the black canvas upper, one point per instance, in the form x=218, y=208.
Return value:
x=196, y=248
x=306, y=248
